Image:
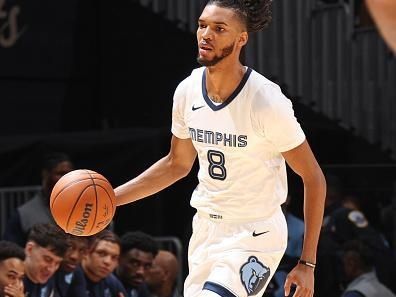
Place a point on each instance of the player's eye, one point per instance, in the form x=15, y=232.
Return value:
x=11, y=277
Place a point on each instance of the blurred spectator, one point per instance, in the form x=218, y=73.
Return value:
x=388, y=215
x=99, y=263
x=351, y=201
x=138, y=251
x=359, y=272
x=342, y=225
x=161, y=278
x=37, y=210
x=12, y=269
x=334, y=196
x=295, y=227
x=69, y=279
x=329, y=267
x=293, y=251
x=45, y=249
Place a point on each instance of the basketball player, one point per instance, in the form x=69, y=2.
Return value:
x=45, y=249
x=242, y=128
x=99, y=263
x=161, y=279
x=69, y=278
x=12, y=269
x=138, y=250
x=384, y=15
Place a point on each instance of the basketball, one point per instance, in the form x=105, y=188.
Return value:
x=82, y=202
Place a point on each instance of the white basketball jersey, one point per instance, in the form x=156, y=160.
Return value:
x=242, y=174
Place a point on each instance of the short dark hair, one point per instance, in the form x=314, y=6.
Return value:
x=72, y=237
x=138, y=240
x=105, y=235
x=9, y=250
x=256, y=14
x=49, y=236
x=51, y=160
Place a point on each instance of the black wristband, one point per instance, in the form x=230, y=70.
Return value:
x=306, y=263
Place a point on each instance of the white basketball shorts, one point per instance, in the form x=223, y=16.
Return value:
x=234, y=259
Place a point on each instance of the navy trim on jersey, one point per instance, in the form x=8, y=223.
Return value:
x=229, y=99
x=218, y=289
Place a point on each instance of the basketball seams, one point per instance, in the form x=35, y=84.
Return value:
x=96, y=199
x=71, y=184
x=106, y=182
x=109, y=197
x=71, y=192
x=74, y=206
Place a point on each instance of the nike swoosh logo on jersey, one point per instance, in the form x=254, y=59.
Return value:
x=195, y=108
x=258, y=234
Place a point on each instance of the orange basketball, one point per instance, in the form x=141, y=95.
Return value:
x=82, y=202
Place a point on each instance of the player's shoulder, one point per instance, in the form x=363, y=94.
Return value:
x=185, y=85
x=267, y=94
x=196, y=74
x=263, y=84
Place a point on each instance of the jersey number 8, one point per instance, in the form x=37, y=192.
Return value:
x=216, y=165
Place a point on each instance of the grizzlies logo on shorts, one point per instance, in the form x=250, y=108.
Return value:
x=254, y=275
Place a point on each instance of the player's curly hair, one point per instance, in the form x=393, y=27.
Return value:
x=256, y=14
x=9, y=250
x=139, y=240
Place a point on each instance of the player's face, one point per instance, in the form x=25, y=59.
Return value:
x=102, y=260
x=41, y=263
x=134, y=265
x=156, y=275
x=50, y=177
x=73, y=257
x=12, y=271
x=349, y=263
x=220, y=34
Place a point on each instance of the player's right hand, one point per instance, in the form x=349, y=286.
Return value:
x=14, y=290
x=303, y=278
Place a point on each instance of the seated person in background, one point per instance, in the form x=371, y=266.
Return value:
x=69, y=279
x=295, y=227
x=45, y=249
x=347, y=223
x=359, y=272
x=161, y=278
x=138, y=250
x=98, y=264
x=12, y=269
x=36, y=210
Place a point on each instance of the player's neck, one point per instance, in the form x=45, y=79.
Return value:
x=222, y=80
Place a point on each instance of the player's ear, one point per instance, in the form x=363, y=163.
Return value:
x=29, y=247
x=243, y=39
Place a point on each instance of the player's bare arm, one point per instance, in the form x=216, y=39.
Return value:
x=302, y=161
x=384, y=15
x=174, y=166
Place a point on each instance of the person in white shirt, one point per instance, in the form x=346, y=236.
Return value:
x=242, y=129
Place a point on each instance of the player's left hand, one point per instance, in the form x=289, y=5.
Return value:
x=303, y=278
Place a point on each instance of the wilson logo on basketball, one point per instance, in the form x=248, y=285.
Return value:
x=82, y=223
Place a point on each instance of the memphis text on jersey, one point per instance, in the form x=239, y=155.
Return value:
x=218, y=138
